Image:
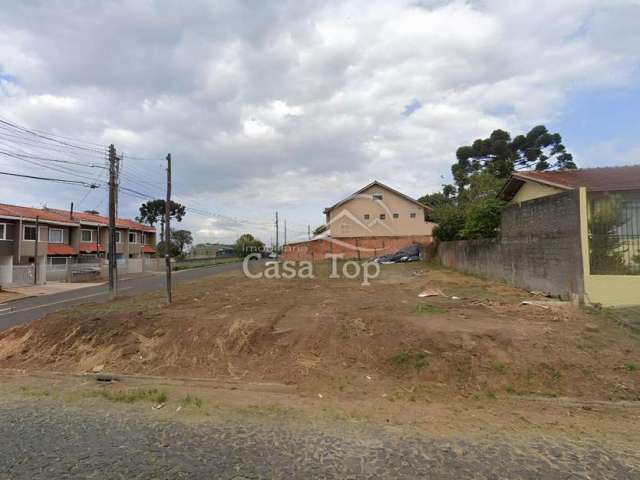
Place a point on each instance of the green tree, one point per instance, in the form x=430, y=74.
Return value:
x=174, y=251
x=606, y=250
x=154, y=210
x=483, y=218
x=247, y=244
x=320, y=229
x=500, y=155
x=471, y=208
x=181, y=238
x=450, y=222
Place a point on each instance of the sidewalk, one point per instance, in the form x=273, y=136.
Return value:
x=48, y=288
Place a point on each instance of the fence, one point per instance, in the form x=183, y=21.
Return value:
x=57, y=273
x=539, y=248
x=24, y=274
x=614, y=234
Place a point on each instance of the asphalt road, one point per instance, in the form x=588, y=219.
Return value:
x=28, y=309
x=43, y=439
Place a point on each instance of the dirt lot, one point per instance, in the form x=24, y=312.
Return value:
x=8, y=296
x=336, y=337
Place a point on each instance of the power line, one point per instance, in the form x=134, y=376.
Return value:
x=21, y=156
x=58, y=180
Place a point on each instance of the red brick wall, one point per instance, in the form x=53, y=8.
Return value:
x=351, y=247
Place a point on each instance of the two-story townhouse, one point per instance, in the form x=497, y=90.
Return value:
x=133, y=239
x=64, y=237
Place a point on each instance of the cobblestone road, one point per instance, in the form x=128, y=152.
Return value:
x=43, y=440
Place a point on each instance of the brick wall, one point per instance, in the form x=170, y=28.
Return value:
x=539, y=248
x=351, y=247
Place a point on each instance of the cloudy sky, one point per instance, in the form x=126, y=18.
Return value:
x=292, y=105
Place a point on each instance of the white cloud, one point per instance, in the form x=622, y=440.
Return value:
x=291, y=105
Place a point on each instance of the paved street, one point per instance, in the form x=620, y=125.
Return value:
x=42, y=439
x=28, y=309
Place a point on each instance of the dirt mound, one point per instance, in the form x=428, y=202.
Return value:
x=335, y=335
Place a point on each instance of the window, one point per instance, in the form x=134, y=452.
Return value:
x=133, y=237
x=3, y=231
x=118, y=236
x=87, y=236
x=377, y=196
x=29, y=233
x=367, y=216
x=412, y=214
x=382, y=216
x=56, y=235
x=58, y=260
x=395, y=215
x=144, y=239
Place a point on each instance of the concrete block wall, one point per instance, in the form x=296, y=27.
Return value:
x=350, y=247
x=539, y=248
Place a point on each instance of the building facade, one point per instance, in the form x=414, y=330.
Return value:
x=59, y=237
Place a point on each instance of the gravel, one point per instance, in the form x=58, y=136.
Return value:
x=47, y=440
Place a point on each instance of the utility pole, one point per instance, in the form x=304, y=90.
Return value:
x=309, y=231
x=285, y=233
x=167, y=229
x=113, y=159
x=35, y=257
x=277, y=245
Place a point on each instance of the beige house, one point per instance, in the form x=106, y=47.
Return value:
x=378, y=211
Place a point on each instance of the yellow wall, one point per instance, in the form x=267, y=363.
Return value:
x=349, y=219
x=607, y=290
x=531, y=190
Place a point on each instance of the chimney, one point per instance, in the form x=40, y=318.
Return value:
x=71, y=212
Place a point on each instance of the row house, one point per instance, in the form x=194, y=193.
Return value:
x=65, y=237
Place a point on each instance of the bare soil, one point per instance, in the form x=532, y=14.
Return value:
x=6, y=296
x=337, y=338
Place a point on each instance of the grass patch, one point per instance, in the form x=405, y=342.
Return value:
x=191, y=401
x=410, y=358
x=34, y=392
x=131, y=396
x=628, y=317
x=631, y=367
x=501, y=368
x=204, y=263
x=428, y=309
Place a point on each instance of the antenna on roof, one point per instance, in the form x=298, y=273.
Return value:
x=71, y=211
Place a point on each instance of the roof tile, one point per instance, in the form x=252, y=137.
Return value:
x=594, y=179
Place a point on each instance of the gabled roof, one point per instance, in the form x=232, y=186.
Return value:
x=88, y=218
x=29, y=213
x=381, y=185
x=599, y=179
x=57, y=216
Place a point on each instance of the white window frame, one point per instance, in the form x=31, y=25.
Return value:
x=4, y=231
x=413, y=215
x=87, y=230
x=144, y=238
x=377, y=196
x=61, y=230
x=24, y=230
x=135, y=238
x=118, y=236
